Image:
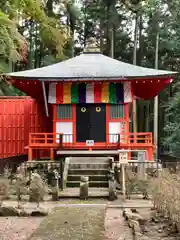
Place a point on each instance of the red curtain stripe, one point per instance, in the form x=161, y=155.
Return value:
x=59, y=93
x=97, y=92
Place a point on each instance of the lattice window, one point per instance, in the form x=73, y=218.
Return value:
x=116, y=111
x=64, y=111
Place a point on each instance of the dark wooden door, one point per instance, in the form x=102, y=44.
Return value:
x=91, y=122
x=82, y=122
x=98, y=122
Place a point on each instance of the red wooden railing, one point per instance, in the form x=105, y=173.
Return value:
x=62, y=140
x=45, y=139
x=137, y=138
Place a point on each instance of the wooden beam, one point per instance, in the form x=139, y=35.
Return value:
x=45, y=99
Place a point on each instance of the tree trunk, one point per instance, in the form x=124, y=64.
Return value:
x=49, y=6
x=135, y=38
x=30, y=65
x=101, y=36
x=134, y=62
x=112, y=40
x=72, y=44
x=85, y=25
x=36, y=55
x=108, y=34
x=156, y=100
x=141, y=41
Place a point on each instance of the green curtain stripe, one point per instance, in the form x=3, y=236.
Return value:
x=112, y=93
x=74, y=93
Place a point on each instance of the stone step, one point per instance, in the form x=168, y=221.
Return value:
x=87, y=172
x=91, y=184
x=88, y=165
x=89, y=159
x=91, y=177
x=93, y=192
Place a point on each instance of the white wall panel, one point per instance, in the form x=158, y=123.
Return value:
x=114, y=128
x=66, y=128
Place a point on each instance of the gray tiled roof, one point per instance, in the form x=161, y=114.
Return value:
x=90, y=66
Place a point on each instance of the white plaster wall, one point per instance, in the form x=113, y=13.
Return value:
x=115, y=128
x=66, y=128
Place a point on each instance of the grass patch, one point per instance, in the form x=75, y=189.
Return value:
x=72, y=224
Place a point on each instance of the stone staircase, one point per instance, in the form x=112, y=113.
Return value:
x=94, y=167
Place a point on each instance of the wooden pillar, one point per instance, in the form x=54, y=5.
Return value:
x=52, y=154
x=30, y=154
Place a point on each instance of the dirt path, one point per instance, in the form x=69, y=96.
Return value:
x=115, y=226
x=72, y=224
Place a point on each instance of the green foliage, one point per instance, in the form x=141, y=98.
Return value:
x=24, y=23
x=172, y=127
x=10, y=38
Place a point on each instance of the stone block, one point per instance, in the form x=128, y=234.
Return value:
x=84, y=185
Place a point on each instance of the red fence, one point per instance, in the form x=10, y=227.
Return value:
x=18, y=117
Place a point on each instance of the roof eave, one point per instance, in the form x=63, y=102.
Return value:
x=105, y=78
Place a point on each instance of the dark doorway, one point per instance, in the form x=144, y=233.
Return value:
x=91, y=122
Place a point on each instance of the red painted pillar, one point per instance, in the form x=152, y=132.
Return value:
x=30, y=154
x=150, y=153
x=129, y=155
x=52, y=154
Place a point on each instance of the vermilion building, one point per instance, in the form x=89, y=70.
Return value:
x=89, y=96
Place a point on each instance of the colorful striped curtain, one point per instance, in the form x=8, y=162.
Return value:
x=73, y=93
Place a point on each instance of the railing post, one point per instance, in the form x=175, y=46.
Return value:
x=45, y=138
x=119, y=140
x=135, y=137
x=61, y=140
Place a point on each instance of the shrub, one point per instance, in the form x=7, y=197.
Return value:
x=4, y=187
x=166, y=196
x=37, y=189
x=20, y=187
x=7, y=172
x=136, y=183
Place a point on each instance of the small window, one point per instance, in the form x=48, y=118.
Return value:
x=116, y=111
x=64, y=111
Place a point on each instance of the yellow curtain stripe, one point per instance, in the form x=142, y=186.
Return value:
x=105, y=93
x=67, y=93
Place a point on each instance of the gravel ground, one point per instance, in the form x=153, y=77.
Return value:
x=18, y=228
